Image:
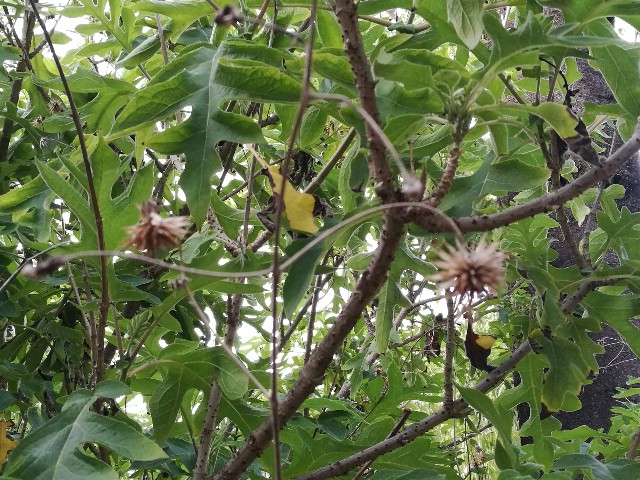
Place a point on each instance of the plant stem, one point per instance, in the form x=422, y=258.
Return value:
x=104, y=304
x=450, y=347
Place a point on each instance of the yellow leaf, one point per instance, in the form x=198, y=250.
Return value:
x=6, y=444
x=297, y=205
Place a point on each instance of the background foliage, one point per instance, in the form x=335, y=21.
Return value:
x=120, y=366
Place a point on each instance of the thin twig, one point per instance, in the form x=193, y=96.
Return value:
x=335, y=158
x=512, y=90
x=263, y=10
x=205, y=320
x=90, y=332
x=86, y=282
x=446, y=180
x=163, y=43
x=633, y=448
x=27, y=263
x=552, y=158
x=104, y=304
x=300, y=315
x=275, y=267
x=450, y=347
x=312, y=318
x=317, y=240
x=247, y=205
x=215, y=394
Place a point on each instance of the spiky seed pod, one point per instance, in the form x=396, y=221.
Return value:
x=470, y=271
x=153, y=232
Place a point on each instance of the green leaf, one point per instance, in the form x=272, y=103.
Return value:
x=313, y=124
x=466, y=18
x=329, y=30
x=300, y=275
x=183, y=371
x=498, y=416
x=617, y=470
x=422, y=453
x=616, y=311
x=53, y=451
x=120, y=22
x=558, y=116
x=203, y=77
x=531, y=370
x=622, y=233
x=528, y=239
x=333, y=65
x=184, y=11
x=521, y=47
x=566, y=374
x=387, y=300
x=511, y=174
x=313, y=452
x=143, y=52
x=394, y=99
x=73, y=198
x=28, y=195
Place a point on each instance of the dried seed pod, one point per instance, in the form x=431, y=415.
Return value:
x=153, y=232
x=470, y=271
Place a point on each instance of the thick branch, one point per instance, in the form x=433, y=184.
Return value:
x=445, y=413
x=545, y=203
x=347, y=13
x=312, y=373
x=415, y=430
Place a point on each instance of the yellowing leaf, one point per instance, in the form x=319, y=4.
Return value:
x=6, y=444
x=298, y=206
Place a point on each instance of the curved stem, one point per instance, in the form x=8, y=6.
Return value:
x=95, y=207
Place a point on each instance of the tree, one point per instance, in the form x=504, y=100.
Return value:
x=293, y=232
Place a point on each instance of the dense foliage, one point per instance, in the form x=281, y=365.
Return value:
x=246, y=241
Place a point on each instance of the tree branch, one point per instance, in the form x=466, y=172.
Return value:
x=95, y=207
x=419, y=428
x=312, y=373
x=449, y=352
x=544, y=203
x=347, y=13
